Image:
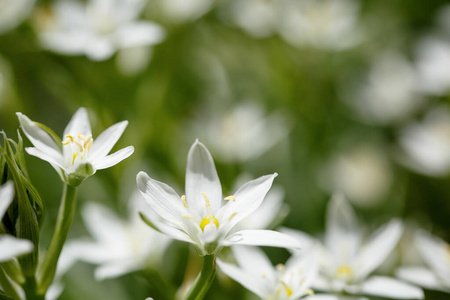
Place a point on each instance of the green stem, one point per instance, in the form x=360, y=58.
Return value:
x=7, y=285
x=13, y=270
x=30, y=289
x=47, y=271
x=204, y=279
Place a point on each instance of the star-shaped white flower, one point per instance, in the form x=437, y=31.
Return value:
x=120, y=246
x=79, y=155
x=346, y=262
x=201, y=217
x=10, y=246
x=98, y=28
x=255, y=272
x=436, y=253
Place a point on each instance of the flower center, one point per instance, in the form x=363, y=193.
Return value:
x=209, y=217
x=344, y=271
x=79, y=145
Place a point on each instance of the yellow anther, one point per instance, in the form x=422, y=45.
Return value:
x=79, y=145
x=280, y=267
x=183, y=198
x=344, y=270
x=68, y=139
x=89, y=144
x=73, y=157
x=206, y=199
x=206, y=220
x=308, y=292
x=87, y=141
x=230, y=198
x=187, y=216
x=80, y=136
x=286, y=288
x=232, y=216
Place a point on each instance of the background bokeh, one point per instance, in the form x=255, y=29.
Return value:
x=349, y=96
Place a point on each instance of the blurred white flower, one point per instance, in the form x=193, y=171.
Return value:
x=98, y=28
x=436, y=254
x=79, y=156
x=256, y=273
x=433, y=65
x=199, y=217
x=259, y=18
x=363, y=174
x=391, y=91
x=427, y=144
x=180, y=11
x=327, y=24
x=13, y=12
x=243, y=132
x=346, y=263
x=119, y=246
x=10, y=247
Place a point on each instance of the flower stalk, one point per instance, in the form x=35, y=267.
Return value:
x=204, y=279
x=46, y=273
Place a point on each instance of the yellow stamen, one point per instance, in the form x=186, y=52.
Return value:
x=206, y=199
x=232, y=216
x=73, y=158
x=80, y=136
x=183, y=198
x=87, y=141
x=287, y=288
x=68, y=139
x=187, y=216
x=230, y=198
x=79, y=145
x=344, y=270
x=206, y=220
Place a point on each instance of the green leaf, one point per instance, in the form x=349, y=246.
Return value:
x=53, y=135
x=3, y=296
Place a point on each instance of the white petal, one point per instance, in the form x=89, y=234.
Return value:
x=254, y=261
x=48, y=158
x=390, y=288
x=420, y=276
x=435, y=253
x=261, y=238
x=380, y=245
x=6, y=197
x=139, y=34
x=201, y=177
x=161, y=198
x=91, y=252
x=172, y=232
x=79, y=123
x=11, y=247
x=252, y=283
x=39, y=137
x=248, y=199
x=342, y=233
x=308, y=262
x=116, y=269
x=112, y=159
x=303, y=238
x=106, y=140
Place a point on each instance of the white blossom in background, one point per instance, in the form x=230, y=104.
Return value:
x=427, y=144
x=79, y=156
x=436, y=254
x=433, y=65
x=98, y=28
x=242, y=132
x=346, y=263
x=180, y=11
x=10, y=246
x=256, y=273
x=13, y=12
x=326, y=24
x=259, y=18
x=119, y=246
x=201, y=217
x=362, y=173
x=390, y=93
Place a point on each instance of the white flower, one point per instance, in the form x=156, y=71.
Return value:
x=120, y=246
x=436, y=253
x=13, y=12
x=80, y=156
x=256, y=273
x=10, y=246
x=199, y=217
x=185, y=10
x=427, y=145
x=346, y=262
x=243, y=132
x=98, y=28
x=390, y=93
x=327, y=24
